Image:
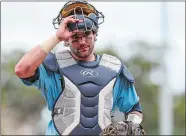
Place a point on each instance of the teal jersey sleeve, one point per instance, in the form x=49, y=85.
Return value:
x=51, y=129
x=48, y=82
x=124, y=94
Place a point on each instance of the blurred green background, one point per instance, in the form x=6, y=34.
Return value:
x=22, y=106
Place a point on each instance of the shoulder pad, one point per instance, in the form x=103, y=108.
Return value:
x=64, y=58
x=127, y=74
x=50, y=62
x=111, y=62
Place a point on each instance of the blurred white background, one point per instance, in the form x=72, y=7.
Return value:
x=29, y=23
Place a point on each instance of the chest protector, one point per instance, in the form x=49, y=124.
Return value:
x=84, y=106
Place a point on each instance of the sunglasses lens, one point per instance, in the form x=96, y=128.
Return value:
x=86, y=25
x=71, y=26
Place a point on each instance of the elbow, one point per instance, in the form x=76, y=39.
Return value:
x=22, y=71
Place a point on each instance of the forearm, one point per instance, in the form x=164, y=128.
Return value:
x=28, y=64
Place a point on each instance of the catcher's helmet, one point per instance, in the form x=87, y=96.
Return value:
x=82, y=10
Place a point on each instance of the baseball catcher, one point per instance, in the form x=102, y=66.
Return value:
x=82, y=89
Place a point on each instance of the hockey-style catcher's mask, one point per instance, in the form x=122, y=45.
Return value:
x=91, y=18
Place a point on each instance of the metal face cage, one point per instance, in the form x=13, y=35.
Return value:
x=81, y=10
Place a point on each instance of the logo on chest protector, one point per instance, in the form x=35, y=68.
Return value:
x=88, y=73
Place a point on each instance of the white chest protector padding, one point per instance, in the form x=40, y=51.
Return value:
x=70, y=103
x=105, y=105
x=106, y=94
x=70, y=99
